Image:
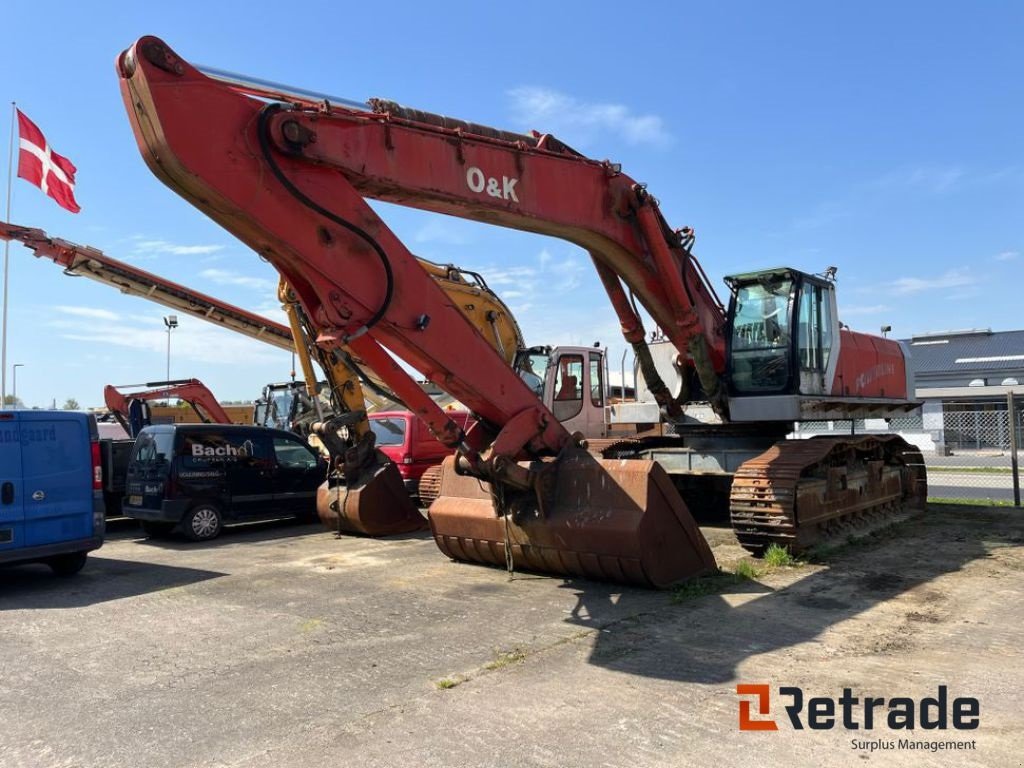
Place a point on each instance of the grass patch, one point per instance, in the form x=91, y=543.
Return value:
x=778, y=557
x=448, y=682
x=970, y=502
x=746, y=571
x=502, y=660
x=713, y=583
x=310, y=625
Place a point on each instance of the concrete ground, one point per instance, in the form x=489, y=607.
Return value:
x=279, y=645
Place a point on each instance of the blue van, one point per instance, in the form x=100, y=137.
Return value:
x=51, y=490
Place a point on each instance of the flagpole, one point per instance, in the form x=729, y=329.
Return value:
x=7, y=253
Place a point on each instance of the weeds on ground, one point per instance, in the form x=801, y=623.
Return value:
x=746, y=571
x=778, y=557
x=501, y=660
x=713, y=583
x=970, y=502
x=448, y=682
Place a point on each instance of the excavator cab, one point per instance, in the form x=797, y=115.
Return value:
x=570, y=382
x=782, y=327
x=282, y=405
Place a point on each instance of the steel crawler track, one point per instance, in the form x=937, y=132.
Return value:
x=803, y=493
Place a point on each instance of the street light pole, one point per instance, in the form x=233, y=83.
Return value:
x=171, y=321
x=14, y=372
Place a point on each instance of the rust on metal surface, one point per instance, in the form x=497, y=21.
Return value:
x=376, y=504
x=609, y=520
x=800, y=493
x=429, y=487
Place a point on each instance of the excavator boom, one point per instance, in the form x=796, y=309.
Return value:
x=84, y=261
x=261, y=171
x=191, y=391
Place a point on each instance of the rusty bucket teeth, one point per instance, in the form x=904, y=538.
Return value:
x=609, y=520
x=377, y=504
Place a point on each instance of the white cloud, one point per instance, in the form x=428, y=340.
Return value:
x=933, y=179
x=573, y=120
x=152, y=247
x=950, y=279
x=227, y=277
x=194, y=341
x=1007, y=256
x=567, y=273
x=90, y=312
x=519, y=276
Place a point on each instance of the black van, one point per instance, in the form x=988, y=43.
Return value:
x=197, y=476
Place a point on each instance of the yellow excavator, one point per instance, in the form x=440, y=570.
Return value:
x=364, y=492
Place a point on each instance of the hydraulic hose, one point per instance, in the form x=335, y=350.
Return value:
x=263, y=128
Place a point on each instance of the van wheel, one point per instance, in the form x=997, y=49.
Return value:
x=202, y=522
x=69, y=564
x=155, y=529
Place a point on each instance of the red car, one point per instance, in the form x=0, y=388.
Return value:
x=407, y=442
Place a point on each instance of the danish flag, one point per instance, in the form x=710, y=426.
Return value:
x=40, y=165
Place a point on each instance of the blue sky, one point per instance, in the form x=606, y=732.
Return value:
x=885, y=139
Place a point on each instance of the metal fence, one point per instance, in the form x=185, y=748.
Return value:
x=982, y=430
x=973, y=452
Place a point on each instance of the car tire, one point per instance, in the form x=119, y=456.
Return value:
x=67, y=565
x=155, y=529
x=203, y=522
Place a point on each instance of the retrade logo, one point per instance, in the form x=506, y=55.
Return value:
x=853, y=713
x=763, y=698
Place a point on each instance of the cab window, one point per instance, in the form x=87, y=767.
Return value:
x=533, y=368
x=761, y=336
x=596, y=380
x=568, y=387
x=815, y=319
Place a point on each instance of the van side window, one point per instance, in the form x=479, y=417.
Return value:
x=293, y=455
x=389, y=430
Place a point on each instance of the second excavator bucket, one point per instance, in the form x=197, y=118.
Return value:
x=610, y=520
x=376, y=503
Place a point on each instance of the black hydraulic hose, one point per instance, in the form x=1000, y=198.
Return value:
x=264, y=138
x=367, y=381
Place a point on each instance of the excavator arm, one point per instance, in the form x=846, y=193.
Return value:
x=191, y=391
x=320, y=163
x=292, y=181
x=85, y=261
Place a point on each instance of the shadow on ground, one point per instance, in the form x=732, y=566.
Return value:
x=704, y=639
x=102, y=579
x=232, y=534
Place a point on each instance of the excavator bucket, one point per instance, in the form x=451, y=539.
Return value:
x=376, y=504
x=610, y=520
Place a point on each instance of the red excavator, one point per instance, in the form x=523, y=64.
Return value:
x=290, y=173
x=130, y=408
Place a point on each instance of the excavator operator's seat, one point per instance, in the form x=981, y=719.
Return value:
x=569, y=389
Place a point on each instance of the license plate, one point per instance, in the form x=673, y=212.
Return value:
x=134, y=501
